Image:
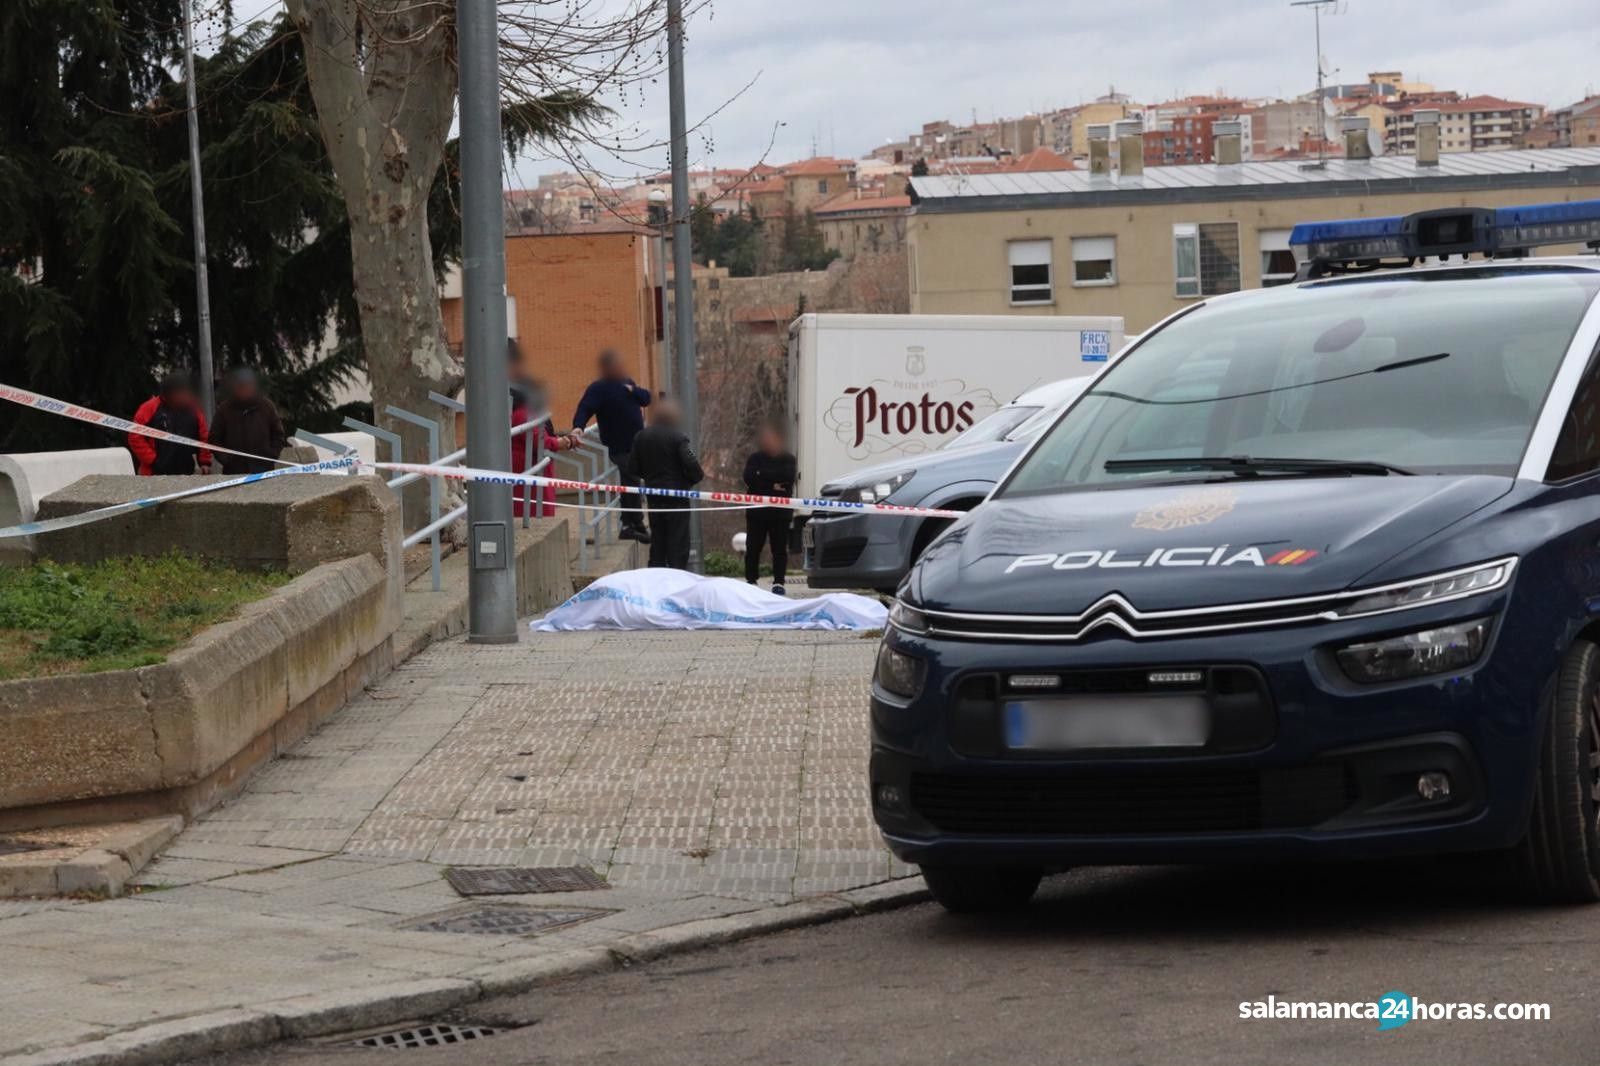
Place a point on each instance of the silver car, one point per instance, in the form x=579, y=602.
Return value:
x=855, y=551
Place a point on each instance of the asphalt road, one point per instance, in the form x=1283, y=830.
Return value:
x=1118, y=966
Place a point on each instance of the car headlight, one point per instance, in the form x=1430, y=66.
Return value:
x=898, y=673
x=907, y=619
x=1427, y=651
x=877, y=490
x=1452, y=586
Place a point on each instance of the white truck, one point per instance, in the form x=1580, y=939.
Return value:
x=864, y=389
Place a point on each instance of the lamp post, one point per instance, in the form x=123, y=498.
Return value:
x=682, y=267
x=492, y=581
x=661, y=219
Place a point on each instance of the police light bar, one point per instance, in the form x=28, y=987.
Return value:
x=1504, y=231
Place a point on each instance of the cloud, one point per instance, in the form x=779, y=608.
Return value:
x=847, y=75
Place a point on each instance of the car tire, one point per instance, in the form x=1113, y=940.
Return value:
x=1558, y=860
x=981, y=889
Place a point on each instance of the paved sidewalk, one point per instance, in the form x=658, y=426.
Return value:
x=702, y=774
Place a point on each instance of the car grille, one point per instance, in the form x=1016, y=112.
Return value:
x=842, y=552
x=1074, y=804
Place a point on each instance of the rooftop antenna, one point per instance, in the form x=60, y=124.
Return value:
x=1318, y=7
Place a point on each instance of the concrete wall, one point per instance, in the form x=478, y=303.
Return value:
x=291, y=523
x=959, y=265
x=179, y=736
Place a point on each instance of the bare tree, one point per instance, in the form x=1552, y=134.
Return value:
x=383, y=75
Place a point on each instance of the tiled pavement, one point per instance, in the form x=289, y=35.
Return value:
x=702, y=773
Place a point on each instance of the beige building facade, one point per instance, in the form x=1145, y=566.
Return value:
x=1151, y=244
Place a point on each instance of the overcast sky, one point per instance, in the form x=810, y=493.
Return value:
x=848, y=75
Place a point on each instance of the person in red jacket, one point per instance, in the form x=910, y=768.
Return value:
x=175, y=409
x=524, y=391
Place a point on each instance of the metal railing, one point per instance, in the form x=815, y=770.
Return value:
x=599, y=517
x=535, y=461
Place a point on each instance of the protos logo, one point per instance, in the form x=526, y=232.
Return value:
x=1088, y=558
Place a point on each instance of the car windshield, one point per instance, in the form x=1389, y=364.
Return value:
x=1441, y=372
x=995, y=427
x=1042, y=419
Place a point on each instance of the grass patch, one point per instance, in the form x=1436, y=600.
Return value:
x=730, y=564
x=115, y=614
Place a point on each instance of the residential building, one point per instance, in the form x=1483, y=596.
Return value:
x=1180, y=140
x=572, y=295
x=1567, y=127
x=811, y=182
x=1473, y=124
x=1146, y=244
x=856, y=222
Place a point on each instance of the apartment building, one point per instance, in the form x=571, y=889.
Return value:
x=1473, y=124
x=1144, y=243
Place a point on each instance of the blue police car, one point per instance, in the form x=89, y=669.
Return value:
x=1310, y=571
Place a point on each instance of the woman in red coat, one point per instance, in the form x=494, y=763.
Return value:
x=523, y=391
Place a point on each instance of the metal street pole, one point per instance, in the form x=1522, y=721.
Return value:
x=682, y=250
x=202, y=284
x=492, y=585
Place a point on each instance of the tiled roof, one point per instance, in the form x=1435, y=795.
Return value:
x=820, y=165
x=852, y=201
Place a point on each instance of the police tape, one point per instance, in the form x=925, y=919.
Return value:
x=83, y=518
x=40, y=402
x=743, y=499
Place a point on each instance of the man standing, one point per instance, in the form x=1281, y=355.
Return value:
x=617, y=406
x=771, y=470
x=175, y=409
x=662, y=458
x=247, y=422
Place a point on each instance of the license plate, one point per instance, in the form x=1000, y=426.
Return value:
x=1093, y=722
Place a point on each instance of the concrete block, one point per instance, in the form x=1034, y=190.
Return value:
x=75, y=736
x=93, y=873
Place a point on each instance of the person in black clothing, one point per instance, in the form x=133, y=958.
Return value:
x=771, y=470
x=617, y=406
x=173, y=409
x=247, y=422
x=662, y=458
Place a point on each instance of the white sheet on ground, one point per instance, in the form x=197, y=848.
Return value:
x=676, y=599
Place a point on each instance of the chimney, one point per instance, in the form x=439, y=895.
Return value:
x=1227, y=142
x=1100, y=148
x=1130, y=147
x=1355, y=137
x=1427, y=121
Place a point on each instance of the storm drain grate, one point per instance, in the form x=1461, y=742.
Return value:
x=434, y=1034
x=13, y=846
x=505, y=919
x=521, y=880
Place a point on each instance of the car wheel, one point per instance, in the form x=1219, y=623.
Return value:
x=1559, y=858
x=981, y=889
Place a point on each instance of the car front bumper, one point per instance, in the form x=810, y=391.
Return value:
x=1317, y=766
x=855, y=551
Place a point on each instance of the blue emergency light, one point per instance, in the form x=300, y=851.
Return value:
x=1363, y=243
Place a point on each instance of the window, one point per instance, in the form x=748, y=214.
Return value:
x=1030, y=272
x=1577, y=449
x=1334, y=372
x=1205, y=258
x=822, y=186
x=1277, y=258
x=1094, y=260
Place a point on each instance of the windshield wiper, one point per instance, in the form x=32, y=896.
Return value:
x=1251, y=466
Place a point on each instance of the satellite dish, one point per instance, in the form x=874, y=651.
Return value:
x=1331, y=132
x=1374, y=142
x=1328, y=108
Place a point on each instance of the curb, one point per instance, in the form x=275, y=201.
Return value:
x=235, y=1029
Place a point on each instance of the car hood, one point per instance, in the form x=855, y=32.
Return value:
x=990, y=454
x=1173, y=546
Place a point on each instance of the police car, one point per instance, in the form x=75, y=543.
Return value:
x=1310, y=571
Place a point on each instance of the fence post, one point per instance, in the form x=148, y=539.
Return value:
x=430, y=427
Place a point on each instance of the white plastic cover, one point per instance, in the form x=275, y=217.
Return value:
x=677, y=599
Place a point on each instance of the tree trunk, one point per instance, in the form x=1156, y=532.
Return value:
x=383, y=76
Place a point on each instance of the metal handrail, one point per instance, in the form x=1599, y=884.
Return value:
x=533, y=457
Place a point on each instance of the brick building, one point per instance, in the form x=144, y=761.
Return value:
x=572, y=295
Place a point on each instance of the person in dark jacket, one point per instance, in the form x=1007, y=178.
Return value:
x=617, y=406
x=662, y=458
x=771, y=470
x=247, y=422
x=175, y=409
